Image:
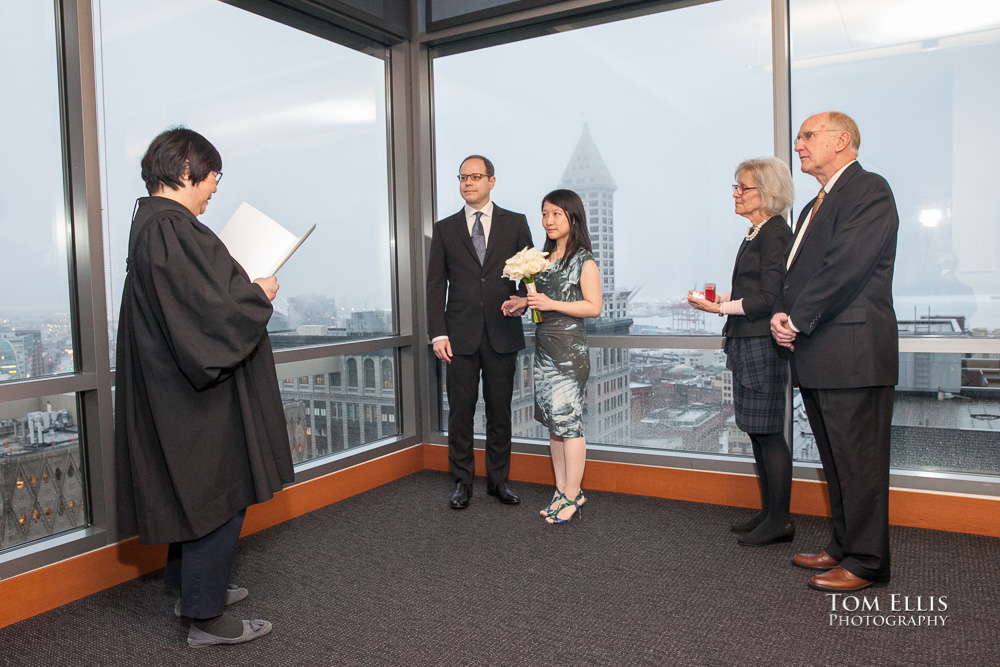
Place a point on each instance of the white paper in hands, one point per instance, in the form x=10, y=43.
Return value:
x=258, y=243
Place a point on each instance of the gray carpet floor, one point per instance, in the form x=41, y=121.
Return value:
x=394, y=577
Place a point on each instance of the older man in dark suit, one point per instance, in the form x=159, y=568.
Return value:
x=465, y=293
x=836, y=317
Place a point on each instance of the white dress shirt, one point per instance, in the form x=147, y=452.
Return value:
x=487, y=219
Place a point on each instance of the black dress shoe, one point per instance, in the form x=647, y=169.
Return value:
x=749, y=524
x=503, y=494
x=460, y=498
x=760, y=538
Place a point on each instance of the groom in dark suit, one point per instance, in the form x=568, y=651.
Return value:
x=465, y=292
x=836, y=317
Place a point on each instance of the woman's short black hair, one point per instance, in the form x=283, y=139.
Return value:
x=572, y=206
x=175, y=153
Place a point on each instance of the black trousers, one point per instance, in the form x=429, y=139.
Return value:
x=201, y=569
x=463, y=375
x=852, y=430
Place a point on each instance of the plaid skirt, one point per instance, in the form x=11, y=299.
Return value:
x=759, y=377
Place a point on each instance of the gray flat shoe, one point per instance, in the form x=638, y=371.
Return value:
x=251, y=630
x=233, y=595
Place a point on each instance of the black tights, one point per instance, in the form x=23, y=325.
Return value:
x=774, y=470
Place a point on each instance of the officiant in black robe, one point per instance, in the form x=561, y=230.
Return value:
x=200, y=431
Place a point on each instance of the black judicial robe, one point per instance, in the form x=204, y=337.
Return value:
x=199, y=427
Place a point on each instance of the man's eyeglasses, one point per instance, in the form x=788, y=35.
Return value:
x=809, y=136
x=740, y=188
x=218, y=177
x=475, y=177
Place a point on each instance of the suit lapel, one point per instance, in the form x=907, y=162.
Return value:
x=824, y=210
x=736, y=264
x=743, y=248
x=462, y=232
x=804, y=233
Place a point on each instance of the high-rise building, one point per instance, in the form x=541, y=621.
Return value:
x=589, y=176
x=352, y=404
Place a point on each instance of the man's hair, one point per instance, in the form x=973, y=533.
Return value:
x=489, y=165
x=843, y=122
x=579, y=235
x=175, y=153
x=774, y=183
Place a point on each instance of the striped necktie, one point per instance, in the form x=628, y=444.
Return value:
x=798, y=237
x=479, y=237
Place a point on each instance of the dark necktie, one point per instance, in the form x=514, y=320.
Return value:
x=479, y=237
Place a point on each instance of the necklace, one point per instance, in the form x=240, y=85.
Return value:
x=752, y=232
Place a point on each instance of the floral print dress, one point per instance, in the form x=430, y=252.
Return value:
x=562, y=357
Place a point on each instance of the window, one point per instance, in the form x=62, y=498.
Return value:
x=934, y=60
x=923, y=76
x=388, y=374
x=36, y=336
x=369, y=374
x=331, y=432
x=721, y=75
x=40, y=455
x=300, y=123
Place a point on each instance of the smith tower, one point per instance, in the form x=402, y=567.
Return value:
x=588, y=176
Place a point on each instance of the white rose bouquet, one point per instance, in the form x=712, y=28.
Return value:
x=524, y=266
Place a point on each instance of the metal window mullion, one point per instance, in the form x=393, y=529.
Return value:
x=782, y=111
x=91, y=344
x=409, y=245
x=339, y=349
x=49, y=386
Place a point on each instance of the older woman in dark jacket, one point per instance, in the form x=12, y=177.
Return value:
x=763, y=191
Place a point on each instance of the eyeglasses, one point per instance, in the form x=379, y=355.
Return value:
x=475, y=177
x=218, y=177
x=739, y=188
x=809, y=136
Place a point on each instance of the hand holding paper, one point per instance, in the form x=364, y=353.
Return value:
x=269, y=285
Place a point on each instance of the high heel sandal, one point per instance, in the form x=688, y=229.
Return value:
x=548, y=509
x=553, y=517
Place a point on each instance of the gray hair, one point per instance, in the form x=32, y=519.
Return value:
x=841, y=121
x=774, y=183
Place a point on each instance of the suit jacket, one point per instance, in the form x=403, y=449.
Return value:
x=838, y=289
x=462, y=295
x=757, y=279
